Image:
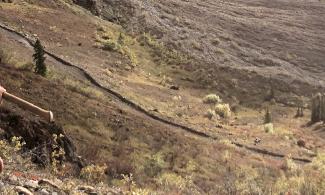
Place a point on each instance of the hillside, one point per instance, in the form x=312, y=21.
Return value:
x=282, y=39
x=127, y=83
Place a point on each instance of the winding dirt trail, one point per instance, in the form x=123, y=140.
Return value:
x=82, y=72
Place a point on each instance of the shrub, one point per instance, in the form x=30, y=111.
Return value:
x=226, y=156
x=131, y=186
x=289, y=165
x=223, y=110
x=111, y=46
x=57, y=154
x=284, y=185
x=210, y=114
x=226, y=142
x=176, y=184
x=5, y=149
x=151, y=168
x=268, y=128
x=93, y=173
x=120, y=46
x=212, y=99
x=318, y=163
x=300, y=112
x=17, y=143
x=101, y=28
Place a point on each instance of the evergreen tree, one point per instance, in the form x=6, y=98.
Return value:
x=39, y=59
x=267, y=117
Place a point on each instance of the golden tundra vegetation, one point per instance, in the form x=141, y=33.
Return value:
x=125, y=151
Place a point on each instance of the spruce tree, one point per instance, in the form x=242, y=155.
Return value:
x=39, y=59
x=268, y=116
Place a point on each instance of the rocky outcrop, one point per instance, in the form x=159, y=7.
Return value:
x=92, y=5
x=117, y=11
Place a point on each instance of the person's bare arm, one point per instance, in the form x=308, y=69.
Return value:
x=2, y=90
x=1, y=165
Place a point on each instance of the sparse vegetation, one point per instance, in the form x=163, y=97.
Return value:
x=289, y=165
x=268, y=128
x=111, y=45
x=82, y=88
x=169, y=56
x=300, y=109
x=8, y=57
x=212, y=99
x=226, y=156
x=210, y=114
x=226, y=142
x=17, y=143
x=119, y=43
x=223, y=110
x=318, y=163
x=173, y=183
x=5, y=58
x=300, y=112
x=139, y=154
x=57, y=154
x=93, y=173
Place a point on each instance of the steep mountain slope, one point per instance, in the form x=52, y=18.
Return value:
x=134, y=104
x=283, y=40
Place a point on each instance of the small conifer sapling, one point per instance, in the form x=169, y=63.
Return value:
x=39, y=59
